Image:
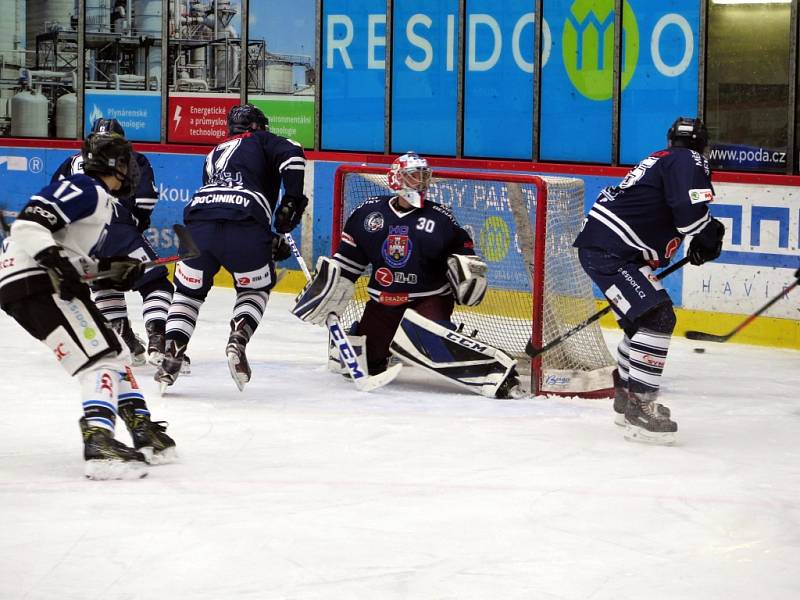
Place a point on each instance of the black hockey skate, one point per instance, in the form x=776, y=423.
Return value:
x=170, y=366
x=149, y=437
x=235, y=351
x=138, y=352
x=646, y=422
x=156, y=338
x=106, y=458
x=621, y=396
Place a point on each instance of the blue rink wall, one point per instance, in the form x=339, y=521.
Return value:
x=761, y=245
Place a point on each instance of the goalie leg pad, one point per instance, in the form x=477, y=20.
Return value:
x=329, y=292
x=466, y=361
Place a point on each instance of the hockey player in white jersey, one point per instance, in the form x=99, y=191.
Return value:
x=43, y=264
x=126, y=237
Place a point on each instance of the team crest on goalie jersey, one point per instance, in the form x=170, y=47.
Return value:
x=373, y=222
x=396, y=249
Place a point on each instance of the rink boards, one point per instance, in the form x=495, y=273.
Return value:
x=759, y=258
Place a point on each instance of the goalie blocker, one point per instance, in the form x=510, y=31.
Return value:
x=329, y=292
x=466, y=361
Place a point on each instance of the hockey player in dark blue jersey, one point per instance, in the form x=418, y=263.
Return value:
x=632, y=228
x=423, y=262
x=125, y=237
x=231, y=219
x=52, y=245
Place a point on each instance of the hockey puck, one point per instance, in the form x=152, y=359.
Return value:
x=699, y=350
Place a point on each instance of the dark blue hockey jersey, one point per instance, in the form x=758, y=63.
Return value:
x=659, y=202
x=242, y=178
x=139, y=206
x=408, y=250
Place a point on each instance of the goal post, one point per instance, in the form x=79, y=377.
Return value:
x=523, y=226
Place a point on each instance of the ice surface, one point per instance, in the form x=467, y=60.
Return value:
x=302, y=488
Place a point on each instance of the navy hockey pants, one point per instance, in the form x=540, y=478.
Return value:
x=244, y=248
x=124, y=239
x=630, y=286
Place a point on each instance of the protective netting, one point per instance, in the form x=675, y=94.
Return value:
x=499, y=212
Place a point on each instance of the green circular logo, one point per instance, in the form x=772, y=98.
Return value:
x=495, y=239
x=89, y=333
x=588, y=47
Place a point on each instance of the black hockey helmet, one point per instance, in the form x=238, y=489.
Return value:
x=111, y=154
x=688, y=133
x=102, y=125
x=246, y=117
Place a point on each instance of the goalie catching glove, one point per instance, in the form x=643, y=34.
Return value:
x=329, y=292
x=467, y=277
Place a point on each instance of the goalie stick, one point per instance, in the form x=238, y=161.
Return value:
x=186, y=249
x=363, y=381
x=710, y=337
x=534, y=352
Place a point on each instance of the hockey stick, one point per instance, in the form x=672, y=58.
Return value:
x=363, y=381
x=710, y=337
x=4, y=227
x=186, y=249
x=534, y=352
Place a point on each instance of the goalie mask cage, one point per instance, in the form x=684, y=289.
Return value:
x=523, y=226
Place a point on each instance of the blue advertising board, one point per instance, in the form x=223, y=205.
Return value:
x=138, y=112
x=498, y=81
x=424, y=76
x=665, y=83
x=577, y=78
x=353, y=74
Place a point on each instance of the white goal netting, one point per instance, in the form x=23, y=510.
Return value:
x=537, y=288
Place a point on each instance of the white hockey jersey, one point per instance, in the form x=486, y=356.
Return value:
x=73, y=213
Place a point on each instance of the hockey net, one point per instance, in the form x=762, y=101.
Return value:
x=523, y=226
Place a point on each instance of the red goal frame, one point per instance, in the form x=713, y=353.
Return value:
x=537, y=250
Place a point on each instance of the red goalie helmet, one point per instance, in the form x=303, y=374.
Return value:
x=409, y=177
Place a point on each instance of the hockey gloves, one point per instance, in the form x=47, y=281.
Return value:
x=280, y=248
x=289, y=213
x=329, y=292
x=124, y=271
x=467, y=277
x=66, y=280
x=707, y=245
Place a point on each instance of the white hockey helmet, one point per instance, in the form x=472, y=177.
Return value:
x=409, y=177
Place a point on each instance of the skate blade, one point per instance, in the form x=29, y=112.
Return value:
x=165, y=457
x=239, y=378
x=104, y=470
x=138, y=360
x=619, y=420
x=642, y=436
x=162, y=387
x=186, y=368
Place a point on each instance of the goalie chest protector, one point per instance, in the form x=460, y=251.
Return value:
x=407, y=250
